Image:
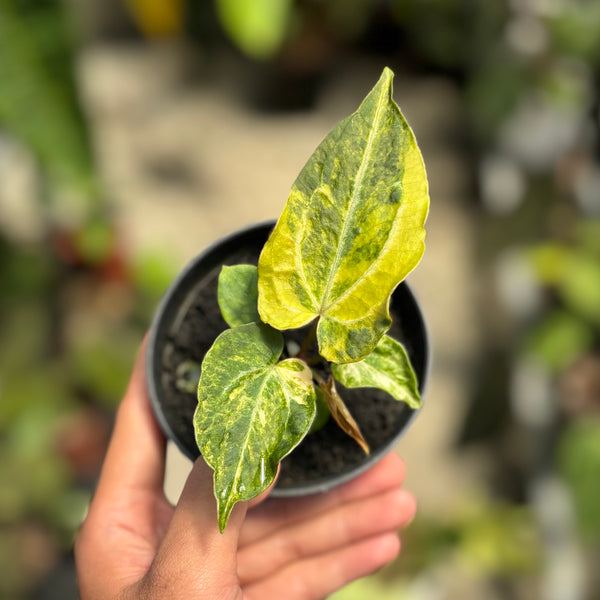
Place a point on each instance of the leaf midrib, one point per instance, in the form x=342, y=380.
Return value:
x=269, y=372
x=372, y=266
x=354, y=200
x=252, y=418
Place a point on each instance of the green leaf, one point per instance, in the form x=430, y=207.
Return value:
x=322, y=411
x=238, y=294
x=352, y=229
x=387, y=368
x=252, y=411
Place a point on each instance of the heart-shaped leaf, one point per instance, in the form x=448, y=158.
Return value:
x=352, y=229
x=237, y=293
x=387, y=368
x=252, y=411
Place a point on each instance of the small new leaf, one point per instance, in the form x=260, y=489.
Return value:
x=252, y=411
x=237, y=294
x=322, y=413
x=352, y=229
x=339, y=411
x=387, y=368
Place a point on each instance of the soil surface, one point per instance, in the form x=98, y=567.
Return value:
x=322, y=454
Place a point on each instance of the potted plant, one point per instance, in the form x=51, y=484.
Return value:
x=273, y=329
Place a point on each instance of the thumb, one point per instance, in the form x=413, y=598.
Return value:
x=194, y=557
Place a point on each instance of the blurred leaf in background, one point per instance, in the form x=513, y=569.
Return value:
x=258, y=27
x=559, y=339
x=39, y=102
x=575, y=27
x=579, y=464
x=570, y=273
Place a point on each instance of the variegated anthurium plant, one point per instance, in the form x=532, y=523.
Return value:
x=351, y=231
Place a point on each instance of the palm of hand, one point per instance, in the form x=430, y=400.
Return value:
x=135, y=544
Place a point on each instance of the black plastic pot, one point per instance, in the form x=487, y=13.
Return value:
x=187, y=322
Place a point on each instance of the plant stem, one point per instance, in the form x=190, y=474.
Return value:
x=308, y=341
x=318, y=378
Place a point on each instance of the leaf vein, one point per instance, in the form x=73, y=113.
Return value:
x=244, y=446
x=354, y=200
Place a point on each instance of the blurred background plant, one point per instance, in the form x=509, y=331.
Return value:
x=77, y=293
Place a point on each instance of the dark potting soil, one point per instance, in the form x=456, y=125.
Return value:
x=326, y=452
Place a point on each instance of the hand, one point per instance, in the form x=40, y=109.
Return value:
x=135, y=545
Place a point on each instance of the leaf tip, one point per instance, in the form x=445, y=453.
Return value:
x=224, y=507
x=223, y=523
x=386, y=79
x=387, y=73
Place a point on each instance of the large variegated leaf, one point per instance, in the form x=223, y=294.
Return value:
x=252, y=411
x=387, y=368
x=237, y=294
x=352, y=229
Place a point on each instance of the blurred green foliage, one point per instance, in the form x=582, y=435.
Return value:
x=487, y=536
x=481, y=539
x=565, y=339
x=579, y=464
x=571, y=327
x=73, y=304
x=39, y=102
x=575, y=29
x=559, y=339
x=258, y=27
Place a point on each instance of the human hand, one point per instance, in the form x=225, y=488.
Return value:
x=135, y=545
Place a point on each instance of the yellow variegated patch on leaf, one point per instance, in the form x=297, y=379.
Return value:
x=387, y=368
x=252, y=411
x=352, y=229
